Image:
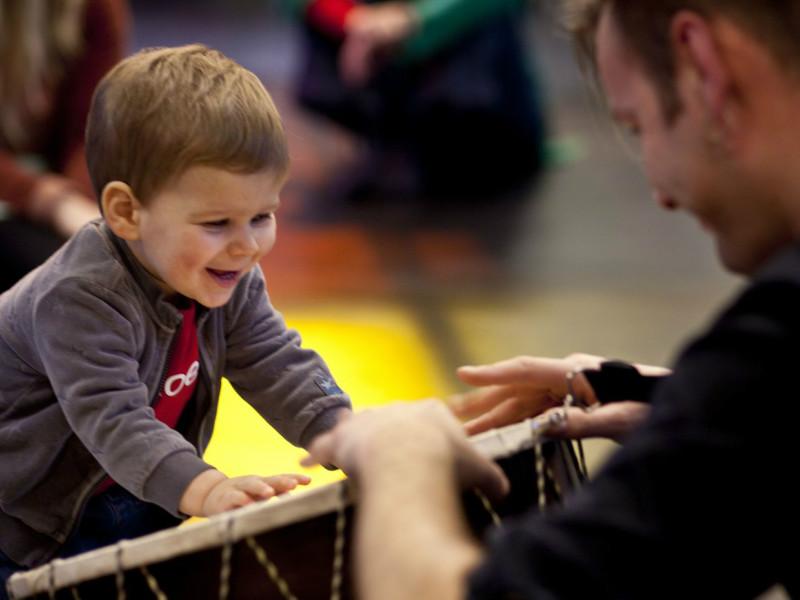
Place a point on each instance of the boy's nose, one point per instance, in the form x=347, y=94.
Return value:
x=244, y=244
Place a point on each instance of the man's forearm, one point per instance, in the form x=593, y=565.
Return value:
x=412, y=540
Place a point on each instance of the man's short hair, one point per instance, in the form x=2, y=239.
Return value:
x=163, y=110
x=645, y=25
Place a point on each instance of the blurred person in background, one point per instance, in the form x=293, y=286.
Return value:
x=442, y=92
x=52, y=54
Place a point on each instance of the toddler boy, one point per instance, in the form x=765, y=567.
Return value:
x=112, y=352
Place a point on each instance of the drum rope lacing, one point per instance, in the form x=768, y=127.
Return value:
x=120, y=574
x=272, y=570
x=225, y=570
x=543, y=474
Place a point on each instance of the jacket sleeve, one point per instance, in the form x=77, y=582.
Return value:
x=698, y=503
x=94, y=375
x=443, y=22
x=290, y=386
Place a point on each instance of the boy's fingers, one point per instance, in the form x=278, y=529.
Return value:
x=256, y=487
x=235, y=499
x=286, y=482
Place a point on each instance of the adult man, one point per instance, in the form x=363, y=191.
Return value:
x=697, y=502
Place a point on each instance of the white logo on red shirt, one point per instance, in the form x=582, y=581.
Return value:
x=173, y=385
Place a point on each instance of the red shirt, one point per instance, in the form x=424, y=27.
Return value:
x=180, y=379
x=329, y=15
x=184, y=366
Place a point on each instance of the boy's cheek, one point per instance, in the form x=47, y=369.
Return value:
x=268, y=244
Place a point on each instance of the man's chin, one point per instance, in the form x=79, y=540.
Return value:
x=739, y=261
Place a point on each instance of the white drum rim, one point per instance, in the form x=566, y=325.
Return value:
x=232, y=526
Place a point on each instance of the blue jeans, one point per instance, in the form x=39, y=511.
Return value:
x=112, y=516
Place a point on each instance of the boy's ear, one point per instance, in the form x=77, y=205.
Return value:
x=121, y=210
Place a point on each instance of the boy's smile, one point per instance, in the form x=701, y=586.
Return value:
x=199, y=235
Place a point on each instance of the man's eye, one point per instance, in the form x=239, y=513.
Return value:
x=631, y=129
x=263, y=217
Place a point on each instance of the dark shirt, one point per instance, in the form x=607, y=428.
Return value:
x=700, y=502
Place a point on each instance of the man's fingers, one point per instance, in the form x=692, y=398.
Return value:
x=614, y=421
x=505, y=414
x=521, y=369
x=321, y=451
x=477, y=471
x=493, y=482
x=476, y=402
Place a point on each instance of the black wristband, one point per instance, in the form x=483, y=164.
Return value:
x=616, y=380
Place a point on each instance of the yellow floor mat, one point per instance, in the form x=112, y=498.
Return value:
x=377, y=355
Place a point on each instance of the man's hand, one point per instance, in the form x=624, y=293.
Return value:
x=512, y=390
x=411, y=434
x=614, y=421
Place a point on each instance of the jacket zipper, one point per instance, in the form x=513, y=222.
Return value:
x=165, y=365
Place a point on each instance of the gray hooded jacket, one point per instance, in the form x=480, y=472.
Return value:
x=84, y=344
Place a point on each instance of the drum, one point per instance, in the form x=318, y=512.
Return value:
x=296, y=546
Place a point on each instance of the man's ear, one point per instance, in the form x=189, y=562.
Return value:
x=699, y=55
x=121, y=210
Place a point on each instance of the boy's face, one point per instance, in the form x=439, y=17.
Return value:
x=201, y=234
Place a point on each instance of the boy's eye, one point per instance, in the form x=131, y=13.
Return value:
x=216, y=224
x=261, y=218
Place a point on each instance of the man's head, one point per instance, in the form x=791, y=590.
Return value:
x=188, y=155
x=709, y=88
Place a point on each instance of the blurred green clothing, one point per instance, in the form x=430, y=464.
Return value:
x=442, y=22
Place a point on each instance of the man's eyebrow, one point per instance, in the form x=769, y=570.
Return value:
x=621, y=113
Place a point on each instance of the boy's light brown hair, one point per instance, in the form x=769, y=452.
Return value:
x=645, y=27
x=163, y=110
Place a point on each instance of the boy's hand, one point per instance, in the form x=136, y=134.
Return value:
x=212, y=492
